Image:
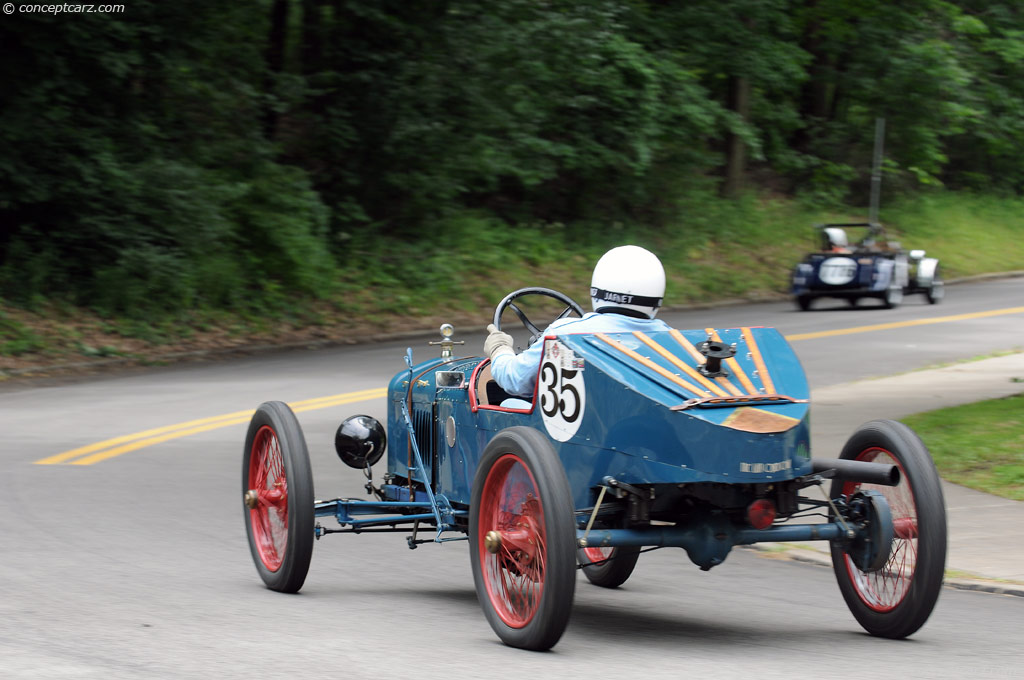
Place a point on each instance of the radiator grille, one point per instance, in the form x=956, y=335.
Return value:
x=423, y=426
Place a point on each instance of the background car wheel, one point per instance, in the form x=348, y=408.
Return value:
x=893, y=297
x=897, y=599
x=522, y=538
x=277, y=493
x=936, y=291
x=804, y=302
x=613, y=565
x=852, y=301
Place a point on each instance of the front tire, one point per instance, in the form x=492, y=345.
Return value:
x=608, y=567
x=277, y=492
x=522, y=538
x=896, y=600
x=804, y=302
x=893, y=297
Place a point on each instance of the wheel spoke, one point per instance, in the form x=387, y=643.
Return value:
x=514, y=576
x=886, y=588
x=277, y=493
x=270, y=516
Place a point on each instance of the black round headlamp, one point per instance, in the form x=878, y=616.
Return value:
x=360, y=441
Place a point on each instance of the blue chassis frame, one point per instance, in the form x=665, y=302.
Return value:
x=441, y=512
x=707, y=538
x=707, y=542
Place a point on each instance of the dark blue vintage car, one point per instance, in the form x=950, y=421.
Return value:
x=857, y=261
x=696, y=439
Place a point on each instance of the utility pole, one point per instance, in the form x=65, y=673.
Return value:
x=876, y=172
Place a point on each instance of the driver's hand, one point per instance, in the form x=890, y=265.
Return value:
x=497, y=343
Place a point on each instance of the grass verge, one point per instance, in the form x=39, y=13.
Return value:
x=980, y=445
x=459, y=268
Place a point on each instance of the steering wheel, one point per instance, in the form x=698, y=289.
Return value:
x=507, y=303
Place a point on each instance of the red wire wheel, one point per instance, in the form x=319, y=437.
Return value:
x=896, y=600
x=522, y=539
x=514, y=575
x=608, y=567
x=596, y=554
x=269, y=519
x=277, y=496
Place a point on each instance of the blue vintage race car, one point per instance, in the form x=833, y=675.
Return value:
x=857, y=261
x=696, y=439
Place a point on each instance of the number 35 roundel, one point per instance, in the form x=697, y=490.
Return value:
x=560, y=390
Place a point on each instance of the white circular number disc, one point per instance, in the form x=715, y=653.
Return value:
x=560, y=390
x=837, y=271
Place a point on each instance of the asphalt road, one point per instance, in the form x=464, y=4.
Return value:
x=128, y=558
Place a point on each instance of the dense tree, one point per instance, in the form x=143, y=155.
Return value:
x=749, y=62
x=133, y=169
x=985, y=151
x=538, y=108
x=216, y=153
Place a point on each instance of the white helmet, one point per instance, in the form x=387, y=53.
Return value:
x=628, y=280
x=836, y=237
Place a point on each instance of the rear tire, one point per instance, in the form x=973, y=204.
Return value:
x=614, y=565
x=277, y=476
x=896, y=600
x=804, y=302
x=521, y=494
x=936, y=291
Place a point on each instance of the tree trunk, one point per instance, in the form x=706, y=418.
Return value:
x=815, y=99
x=276, y=44
x=736, y=149
x=312, y=38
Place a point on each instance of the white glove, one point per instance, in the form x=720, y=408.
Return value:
x=497, y=343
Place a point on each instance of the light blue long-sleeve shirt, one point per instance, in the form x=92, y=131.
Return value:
x=517, y=373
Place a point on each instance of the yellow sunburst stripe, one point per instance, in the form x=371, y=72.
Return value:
x=651, y=365
x=678, y=363
x=118, y=445
x=700, y=359
x=755, y=353
x=722, y=380
x=687, y=345
x=731, y=362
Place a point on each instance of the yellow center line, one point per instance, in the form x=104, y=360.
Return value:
x=94, y=453
x=110, y=448
x=904, y=324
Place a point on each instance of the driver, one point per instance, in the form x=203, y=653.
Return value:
x=625, y=291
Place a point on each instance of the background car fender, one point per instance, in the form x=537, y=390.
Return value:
x=926, y=270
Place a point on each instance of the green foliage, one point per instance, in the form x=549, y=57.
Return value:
x=135, y=178
x=237, y=156
x=461, y=265
x=970, y=234
x=978, y=445
x=16, y=338
x=753, y=39
x=529, y=109
x=985, y=154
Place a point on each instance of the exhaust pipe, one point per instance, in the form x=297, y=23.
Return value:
x=858, y=471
